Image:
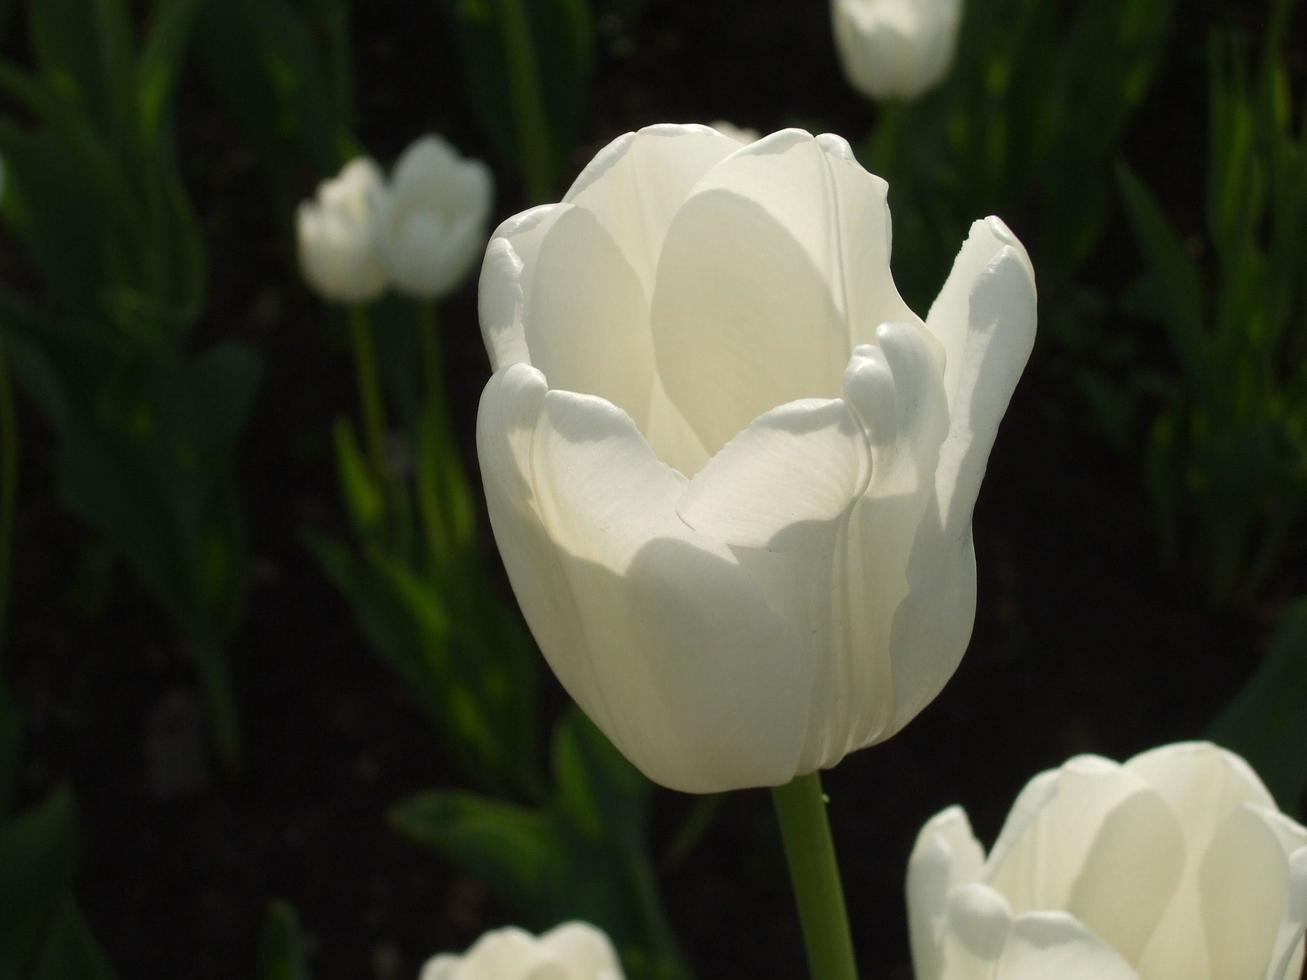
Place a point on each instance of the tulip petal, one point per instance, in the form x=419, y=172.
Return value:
x=743, y=320
x=1039, y=856
x=1287, y=960
x=1044, y=945
x=644, y=622
x=1202, y=783
x=587, y=952
x=636, y=184
x=677, y=620
x=442, y=967
x=1130, y=874
x=1243, y=886
x=945, y=857
x=799, y=465
x=505, y=282
x=986, y=348
x=586, y=315
x=979, y=921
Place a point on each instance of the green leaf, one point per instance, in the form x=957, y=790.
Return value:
x=1266, y=723
x=516, y=851
x=70, y=952
x=364, y=500
x=261, y=58
x=598, y=791
x=160, y=63
x=562, y=38
x=1173, y=273
x=281, y=952
x=38, y=852
x=83, y=50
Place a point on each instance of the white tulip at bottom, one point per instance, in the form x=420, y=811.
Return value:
x=572, y=951
x=1176, y=865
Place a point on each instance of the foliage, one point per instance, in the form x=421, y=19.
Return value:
x=1007, y=133
x=1227, y=462
x=1266, y=723
x=581, y=855
x=146, y=430
x=42, y=934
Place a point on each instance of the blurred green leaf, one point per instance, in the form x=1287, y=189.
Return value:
x=514, y=850
x=580, y=856
x=38, y=852
x=262, y=60
x=1266, y=723
x=281, y=951
x=562, y=39
x=363, y=498
x=1174, y=275
x=598, y=791
x=70, y=952
x=83, y=50
x=160, y=63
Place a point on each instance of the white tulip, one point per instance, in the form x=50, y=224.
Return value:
x=336, y=234
x=730, y=473
x=573, y=951
x=432, y=224
x=1174, y=866
x=896, y=49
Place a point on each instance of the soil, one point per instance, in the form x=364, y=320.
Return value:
x=1083, y=642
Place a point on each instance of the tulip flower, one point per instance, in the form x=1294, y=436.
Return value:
x=336, y=231
x=1174, y=866
x=432, y=224
x=730, y=472
x=896, y=49
x=573, y=951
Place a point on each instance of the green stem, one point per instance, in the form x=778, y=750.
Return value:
x=8, y=485
x=810, y=853
x=433, y=362
x=372, y=407
x=527, y=103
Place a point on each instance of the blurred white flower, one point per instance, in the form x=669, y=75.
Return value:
x=740, y=134
x=896, y=49
x=432, y=225
x=336, y=235
x=730, y=472
x=1176, y=865
x=572, y=951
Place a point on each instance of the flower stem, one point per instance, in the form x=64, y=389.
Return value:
x=810, y=853
x=371, y=406
x=527, y=105
x=8, y=485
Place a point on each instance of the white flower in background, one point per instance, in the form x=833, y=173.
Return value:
x=740, y=134
x=896, y=49
x=573, y=951
x=432, y=225
x=1174, y=866
x=336, y=233
x=730, y=473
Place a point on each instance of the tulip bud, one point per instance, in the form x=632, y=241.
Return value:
x=432, y=225
x=730, y=472
x=573, y=951
x=896, y=49
x=336, y=235
x=1173, y=866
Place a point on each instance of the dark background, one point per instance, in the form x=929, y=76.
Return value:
x=1083, y=642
